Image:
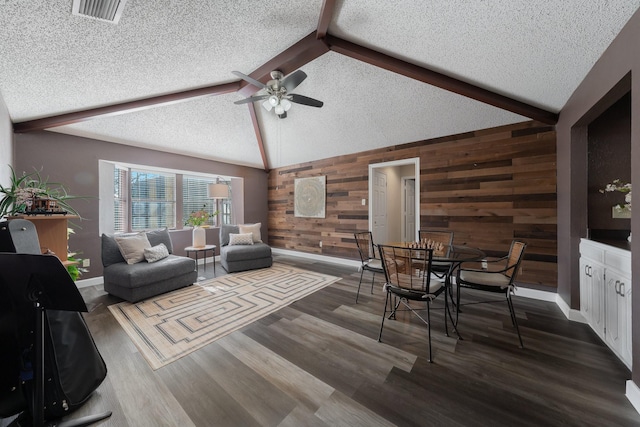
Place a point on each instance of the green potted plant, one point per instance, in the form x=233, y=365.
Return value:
x=25, y=191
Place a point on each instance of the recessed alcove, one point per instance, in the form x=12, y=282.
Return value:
x=608, y=158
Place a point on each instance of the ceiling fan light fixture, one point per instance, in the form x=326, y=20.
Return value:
x=286, y=104
x=273, y=100
x=279, y=109
x=267, y=106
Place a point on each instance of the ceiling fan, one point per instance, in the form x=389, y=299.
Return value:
x=278, y=96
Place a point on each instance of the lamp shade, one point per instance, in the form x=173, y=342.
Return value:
x=218, y=191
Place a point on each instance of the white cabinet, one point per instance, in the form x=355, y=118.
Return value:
x=591, y=293
x=605, y=295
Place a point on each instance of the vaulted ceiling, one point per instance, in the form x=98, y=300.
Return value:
x=388, y=72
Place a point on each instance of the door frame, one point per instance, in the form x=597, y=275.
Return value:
x=403, y=196
x=415, y=161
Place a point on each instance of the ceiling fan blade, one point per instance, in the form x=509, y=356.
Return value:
x=250, y=79
x=305, y=100
x=293, y=80
x=252, y=99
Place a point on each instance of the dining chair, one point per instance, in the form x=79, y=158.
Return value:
x=445, y=237
x=497, y=281
x=408, y=278
x=368, y=257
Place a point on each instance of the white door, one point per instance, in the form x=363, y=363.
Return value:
x=409, y=212
x=379, y=206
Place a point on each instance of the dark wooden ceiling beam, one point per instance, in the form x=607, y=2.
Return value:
x=124, y=107
x=326, y=14
x=442, y=81
x=291, y=59
x=256, y=129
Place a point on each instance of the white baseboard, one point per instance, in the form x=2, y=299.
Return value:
x=535, y=294
x=569, y=312
x=85, y=283
x=633, y=394
x=522, y=292
x=324, y=258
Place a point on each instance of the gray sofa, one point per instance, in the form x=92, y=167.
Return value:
x=242, y=257
x=135, y=282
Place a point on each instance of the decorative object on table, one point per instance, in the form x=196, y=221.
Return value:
x=196, y=220
x=30, y=194
x=621, y=210
x=310, y=197
x=168, y=327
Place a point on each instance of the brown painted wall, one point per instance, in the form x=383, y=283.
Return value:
x=488, y=186
x=74, y=161
x=610, y=78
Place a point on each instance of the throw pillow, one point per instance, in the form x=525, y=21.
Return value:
x=254, y=229
x=156, y=253
x=240, y=239
x=132, y=247
x=225, y=230
x=160, y=236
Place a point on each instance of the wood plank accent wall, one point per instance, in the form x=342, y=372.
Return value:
x=489, y=187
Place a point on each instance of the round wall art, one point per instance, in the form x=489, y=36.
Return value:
x=309, y=197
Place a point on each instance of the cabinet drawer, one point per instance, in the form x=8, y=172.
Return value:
x=592, y=251
x=618, y=261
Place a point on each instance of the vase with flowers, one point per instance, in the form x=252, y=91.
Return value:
x=625, y=188
x=197, y=219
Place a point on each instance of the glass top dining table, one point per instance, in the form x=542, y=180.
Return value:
x=450, y=257
x=454, y=254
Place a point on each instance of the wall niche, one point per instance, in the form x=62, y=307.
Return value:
x=609, y=158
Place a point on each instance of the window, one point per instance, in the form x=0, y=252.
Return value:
x=194, y=196
x=136, y=198
x=120, y=200
x=153, y=200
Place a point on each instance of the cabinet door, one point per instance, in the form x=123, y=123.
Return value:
x=626, y=319
x=597, y=298
x=618, y=309
x=591, y=294
x=612, y=309
x=585, y=290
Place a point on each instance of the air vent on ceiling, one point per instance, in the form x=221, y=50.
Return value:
x=103, y=10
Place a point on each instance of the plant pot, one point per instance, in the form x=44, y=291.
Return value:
x=199, y=237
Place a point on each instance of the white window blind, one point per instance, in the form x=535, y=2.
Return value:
x=153, y=200
x=121, y=199
x=194, y=196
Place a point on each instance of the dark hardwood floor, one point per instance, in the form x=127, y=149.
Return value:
x=318, y=363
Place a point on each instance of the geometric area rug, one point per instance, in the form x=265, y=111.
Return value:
x=172, y=325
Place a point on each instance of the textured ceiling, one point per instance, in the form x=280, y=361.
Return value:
x=536, y=52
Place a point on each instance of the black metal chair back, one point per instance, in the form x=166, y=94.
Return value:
x=368, y=257
x=408, y=273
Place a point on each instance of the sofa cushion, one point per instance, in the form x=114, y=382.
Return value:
x=225, y=230
x=160, y=236
x=156, y=253
x=254, y=229
x=240, y=239
x=132, y=247
x=144, y=273
x=246, y=252
x=111, y=252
